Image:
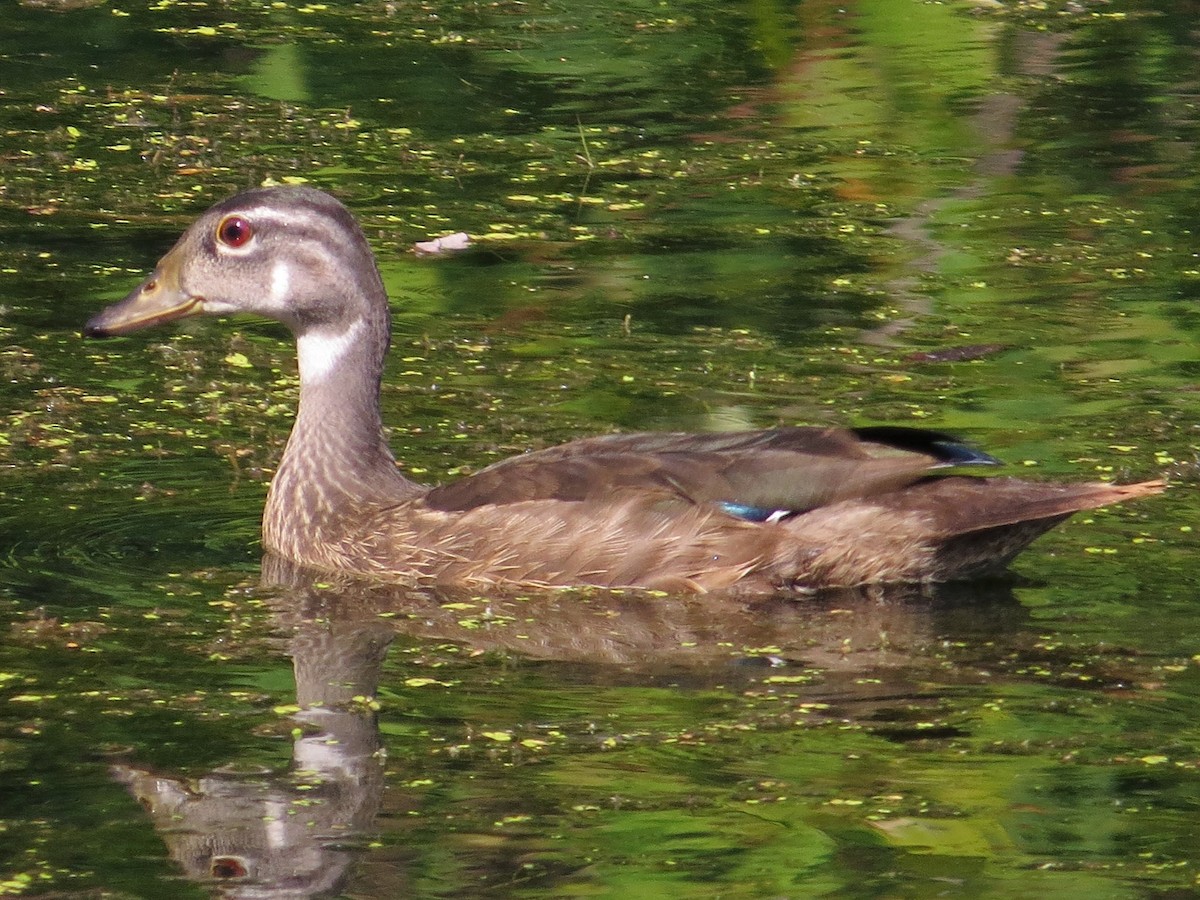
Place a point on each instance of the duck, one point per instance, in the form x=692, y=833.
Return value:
x=797, y=508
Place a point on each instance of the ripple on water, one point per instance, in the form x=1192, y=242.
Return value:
x=143, y=517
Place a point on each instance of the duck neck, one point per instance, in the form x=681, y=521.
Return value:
x=337, y=463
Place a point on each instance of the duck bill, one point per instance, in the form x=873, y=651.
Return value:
x=160, y=298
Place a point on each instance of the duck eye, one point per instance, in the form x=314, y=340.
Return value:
x=234, y=231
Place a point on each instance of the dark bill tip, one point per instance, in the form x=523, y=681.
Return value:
x=92, y=330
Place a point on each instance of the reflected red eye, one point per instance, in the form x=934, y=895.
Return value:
x=234, y=231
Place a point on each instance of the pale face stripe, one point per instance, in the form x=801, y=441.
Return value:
x=281, y=283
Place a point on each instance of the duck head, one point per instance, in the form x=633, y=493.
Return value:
x=292, y=254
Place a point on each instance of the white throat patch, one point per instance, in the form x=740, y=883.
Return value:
x=320, y=354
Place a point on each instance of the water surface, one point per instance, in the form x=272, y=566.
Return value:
x=698, y=216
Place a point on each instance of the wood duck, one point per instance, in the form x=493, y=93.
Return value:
x=748, y=512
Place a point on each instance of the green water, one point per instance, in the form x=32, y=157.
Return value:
x=687, y=216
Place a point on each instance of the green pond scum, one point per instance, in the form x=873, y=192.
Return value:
x=973, y=216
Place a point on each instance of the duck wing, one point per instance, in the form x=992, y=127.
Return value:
x=755, y=475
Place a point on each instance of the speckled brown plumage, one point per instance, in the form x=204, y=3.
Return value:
x=752, y=511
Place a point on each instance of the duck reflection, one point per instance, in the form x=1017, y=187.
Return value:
x=296, y=833
x=293, y=833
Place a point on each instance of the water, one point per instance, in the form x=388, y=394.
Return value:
x=698, y=216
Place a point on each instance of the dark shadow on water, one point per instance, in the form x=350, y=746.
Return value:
x=297, y=832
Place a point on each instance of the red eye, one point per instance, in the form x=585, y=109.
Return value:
x=234, y=231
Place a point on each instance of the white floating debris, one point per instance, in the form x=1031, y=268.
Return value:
x=449, y=244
